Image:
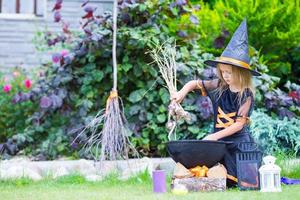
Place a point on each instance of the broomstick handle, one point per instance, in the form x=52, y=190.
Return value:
x=114, y=53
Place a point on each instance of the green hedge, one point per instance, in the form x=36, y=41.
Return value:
x=275, y=135
x=77, y=86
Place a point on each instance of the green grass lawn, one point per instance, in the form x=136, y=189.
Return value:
x=140, y=187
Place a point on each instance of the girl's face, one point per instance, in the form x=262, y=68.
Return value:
x=226, y=72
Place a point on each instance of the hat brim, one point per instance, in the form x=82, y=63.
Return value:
x=213, y=63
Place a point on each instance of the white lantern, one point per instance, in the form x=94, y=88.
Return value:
x=270, y=175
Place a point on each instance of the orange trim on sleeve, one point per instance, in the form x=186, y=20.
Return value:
x=199, y=86
x=245, y=120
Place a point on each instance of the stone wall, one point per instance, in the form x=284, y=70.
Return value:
x=19, y=167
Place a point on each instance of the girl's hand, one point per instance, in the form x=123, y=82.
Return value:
x=177, y=96
x=211, y=137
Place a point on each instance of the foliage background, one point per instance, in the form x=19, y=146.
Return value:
x=78, y=81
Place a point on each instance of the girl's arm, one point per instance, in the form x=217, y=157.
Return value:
x=235, y=127
x=192, y=85
x=241, y=120
x=189, y=86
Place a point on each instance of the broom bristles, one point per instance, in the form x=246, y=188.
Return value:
x=112, y=142
x=115, y=133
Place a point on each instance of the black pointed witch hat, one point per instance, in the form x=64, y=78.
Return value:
x=236, y=53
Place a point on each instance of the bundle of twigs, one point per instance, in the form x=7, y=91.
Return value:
x=111, y=142
x=165, y=58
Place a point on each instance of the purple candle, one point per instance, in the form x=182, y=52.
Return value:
x=159, y=181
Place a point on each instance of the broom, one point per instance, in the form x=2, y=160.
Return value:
x=165, y=58
x=112, y=141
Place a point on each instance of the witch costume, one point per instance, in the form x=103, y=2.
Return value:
x=227, y=105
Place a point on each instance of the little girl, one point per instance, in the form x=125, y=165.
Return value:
x=232, y=96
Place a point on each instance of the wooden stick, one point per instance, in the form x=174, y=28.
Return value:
x=114, y=52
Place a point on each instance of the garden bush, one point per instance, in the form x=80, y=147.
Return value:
x=273, y=28
x=78, y=80
x=276, y=135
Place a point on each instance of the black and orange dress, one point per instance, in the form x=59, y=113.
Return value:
x=229, y=108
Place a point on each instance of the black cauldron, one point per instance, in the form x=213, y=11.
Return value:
x=191, y=153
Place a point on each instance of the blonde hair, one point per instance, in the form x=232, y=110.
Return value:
x=243, y=79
